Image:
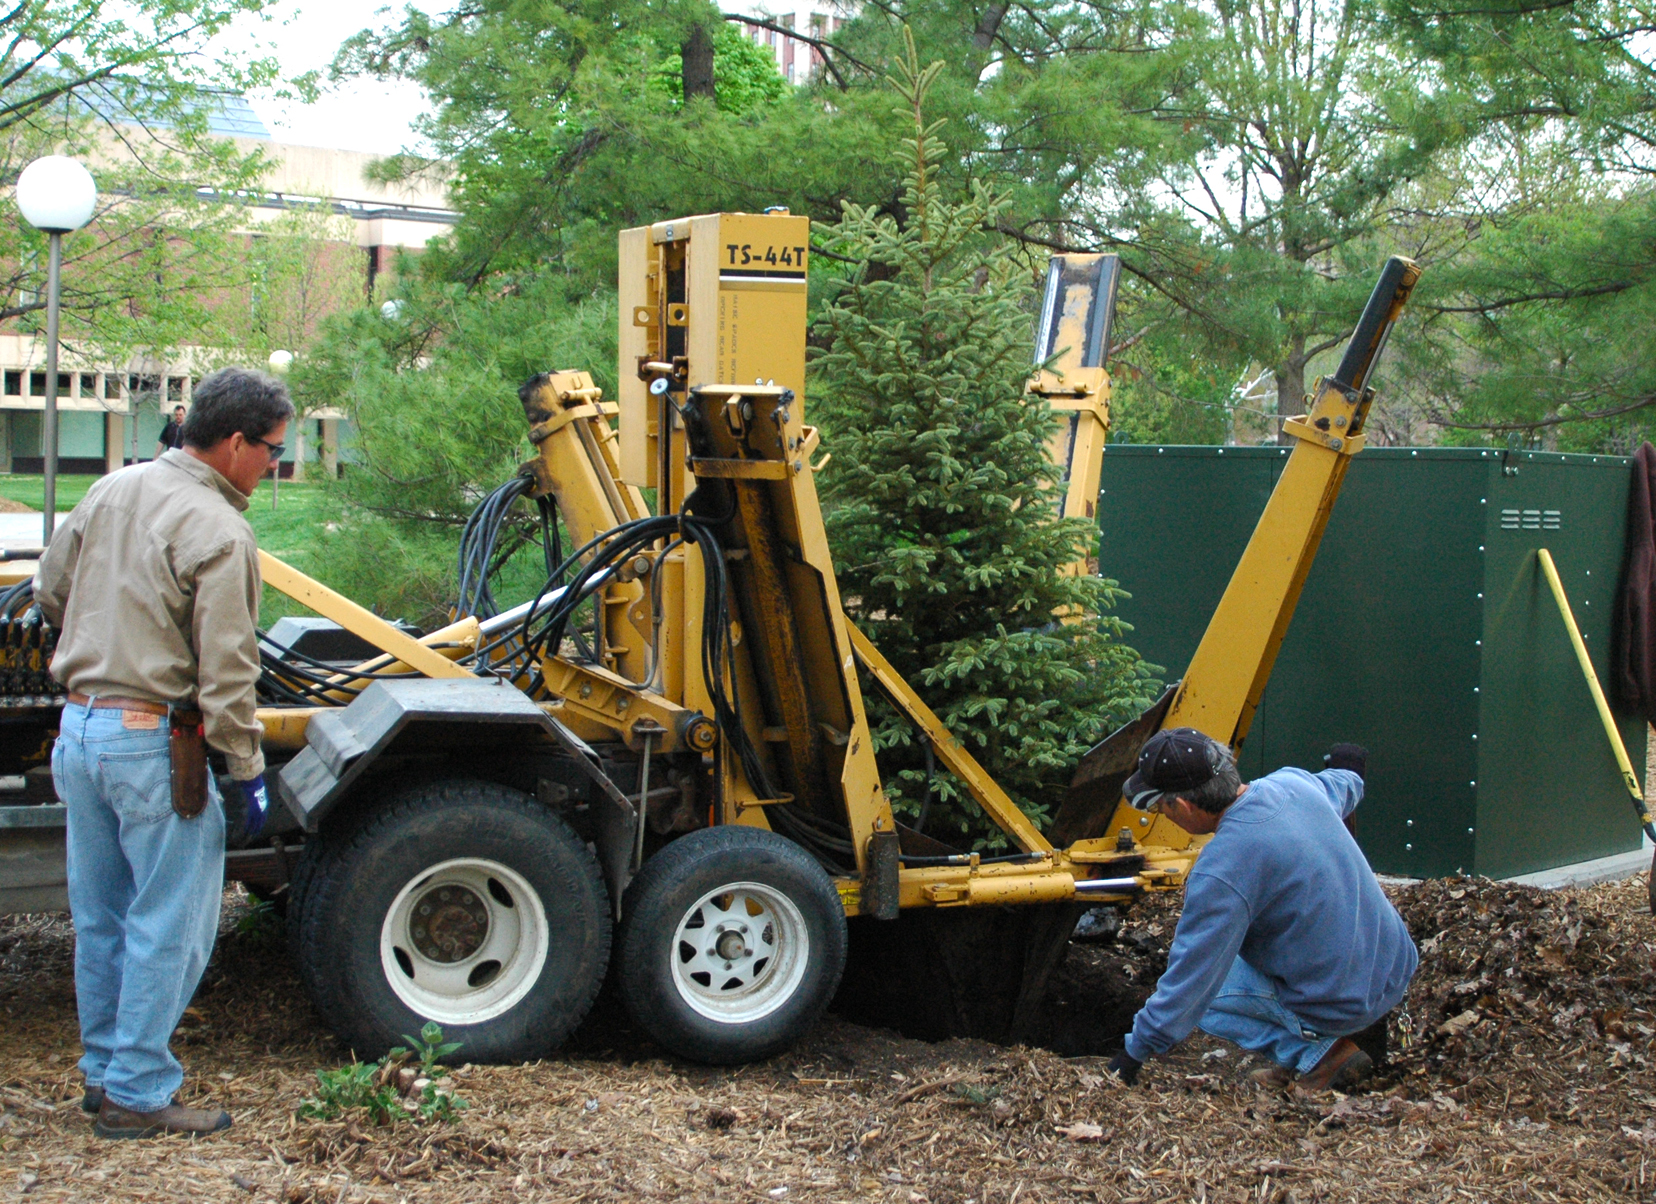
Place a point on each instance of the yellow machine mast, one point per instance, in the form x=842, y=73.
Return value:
x=710, y=690
x=711, y=421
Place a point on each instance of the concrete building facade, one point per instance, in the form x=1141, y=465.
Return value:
x=112, y=414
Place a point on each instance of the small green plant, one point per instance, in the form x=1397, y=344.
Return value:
x=436, y=1101
x=406, y=1082
x=261, y=918
x=429, y=1047
x=348, y=1088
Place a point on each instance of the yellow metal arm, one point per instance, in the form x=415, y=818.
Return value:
x=979, y=784
x=358, y=620
x=1629, y=778
x=1233, y=662
x=1072, y=344
x=1228, y=673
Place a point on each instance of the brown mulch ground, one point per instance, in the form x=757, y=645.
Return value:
x=1523, y=1073
x=7, y=506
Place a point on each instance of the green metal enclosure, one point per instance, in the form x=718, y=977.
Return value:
x=1425, y=632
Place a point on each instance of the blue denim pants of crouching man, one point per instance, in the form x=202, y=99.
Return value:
x=1249, y=1012
x=144, y=889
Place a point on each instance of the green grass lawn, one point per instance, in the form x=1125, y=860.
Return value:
x=31, y=491
x=290, y=530
x=286, y=530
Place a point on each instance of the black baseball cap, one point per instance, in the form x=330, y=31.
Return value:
x=1173, y=761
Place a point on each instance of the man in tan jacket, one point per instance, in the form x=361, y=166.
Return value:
x=154, y=584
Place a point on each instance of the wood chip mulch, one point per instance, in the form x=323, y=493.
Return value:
x=1521, y=1071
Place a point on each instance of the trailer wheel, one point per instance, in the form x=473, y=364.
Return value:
x=298, y=893
x=732, y=944
x=461, y=902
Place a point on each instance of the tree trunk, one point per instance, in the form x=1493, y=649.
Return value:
x=1290, y=384
x=697, y=54
x=983, y=36
x=988, y=26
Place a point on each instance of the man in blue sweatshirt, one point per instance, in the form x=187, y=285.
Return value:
x=1286, y=944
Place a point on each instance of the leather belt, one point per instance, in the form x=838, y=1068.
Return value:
x=121, y=704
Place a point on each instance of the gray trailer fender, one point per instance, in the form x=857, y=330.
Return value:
x=468, y=714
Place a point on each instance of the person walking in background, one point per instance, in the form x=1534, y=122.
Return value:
x=172, y=435
x=153, y=581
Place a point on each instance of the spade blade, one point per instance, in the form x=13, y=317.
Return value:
x=1096, y=787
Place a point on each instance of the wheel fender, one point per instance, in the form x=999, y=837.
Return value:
x=429, y=714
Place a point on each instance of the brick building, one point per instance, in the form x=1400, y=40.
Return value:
x=798, y=61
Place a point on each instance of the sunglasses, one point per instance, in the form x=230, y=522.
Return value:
x=275, y=449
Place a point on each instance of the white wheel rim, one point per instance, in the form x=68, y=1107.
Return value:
x=464, y=941
x=740, y=952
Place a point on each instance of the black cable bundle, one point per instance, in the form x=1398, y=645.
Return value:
x=291, y=677
x=609, y=550
x=481, y=556
x=16, y=599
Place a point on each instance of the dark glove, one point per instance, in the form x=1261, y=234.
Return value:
x=1125, y=1067
x=1347, y=756
x=257, y=801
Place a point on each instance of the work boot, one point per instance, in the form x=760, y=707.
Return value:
x=1272, y=1077
x=115, y=1121
x=1344, y=1065
x=92, y=1099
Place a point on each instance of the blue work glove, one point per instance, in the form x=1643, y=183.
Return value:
x=1347, y=756
x=257, y=800
x=1125, y=1067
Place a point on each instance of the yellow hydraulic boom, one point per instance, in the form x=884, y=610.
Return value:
x=715, y=692
x=1227, y=675
x=712, y=303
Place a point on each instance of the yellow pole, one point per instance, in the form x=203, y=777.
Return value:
x=1629, y=778
x=356, y=619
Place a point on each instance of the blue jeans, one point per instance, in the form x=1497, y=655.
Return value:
x=144, y=888
x=1249, y=1012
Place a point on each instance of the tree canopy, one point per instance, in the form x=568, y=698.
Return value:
x=1252, y=162
x=942, y=498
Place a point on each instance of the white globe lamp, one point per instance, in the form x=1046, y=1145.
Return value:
x=57, y=195
x=280, y=362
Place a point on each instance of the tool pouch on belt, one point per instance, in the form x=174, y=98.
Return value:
x=187, y=744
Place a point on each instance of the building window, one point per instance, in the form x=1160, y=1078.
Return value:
x=88, y=384
x=14, y=384
x=175, y=388
x=37, y=384
x=144, y=390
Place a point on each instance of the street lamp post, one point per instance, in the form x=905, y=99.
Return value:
x=57, y=195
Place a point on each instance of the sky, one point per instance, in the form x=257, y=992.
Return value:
x=363, y=115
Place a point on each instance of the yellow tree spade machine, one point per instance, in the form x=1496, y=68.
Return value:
x=663, y=759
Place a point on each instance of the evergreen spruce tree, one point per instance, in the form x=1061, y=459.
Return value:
x=942, y=503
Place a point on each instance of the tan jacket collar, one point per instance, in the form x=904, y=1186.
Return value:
x=178, y=458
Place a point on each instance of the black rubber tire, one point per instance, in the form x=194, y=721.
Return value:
x=297, y=892
x=355, y=879
x=661, y=896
